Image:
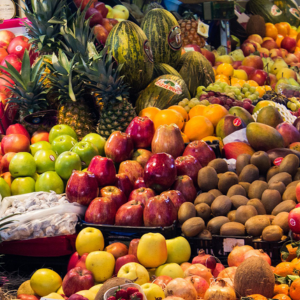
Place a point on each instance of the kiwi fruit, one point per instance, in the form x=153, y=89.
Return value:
x=203, y=211
x=238, y=200
x=284, y=177
x=282, y=220
x=215, y=193
x=257, y=188
x=186, y=211
x=272, y=233
x=258, y=206
x=289, y=194
x=244, y=213
x=255, y=225
x=221, y=206
x=236, y=189
x=231, y=215
x=272, y=171
x=297, y=175
x=192, y=226
x=226, y=181
x=270, y=199
x=262, y=161
x=232, y=229
x=110, y=283
x=246, y=186
x=219, y=175
x=285, y=206
x=293, y=183
x=271, y=218
x=242, y=161
x=249, y=174
x=279, y=186
x=290, y=164
x=219, y=164
x=215, y=224
x=204, y=198
x=205, y=235
x=207, y=179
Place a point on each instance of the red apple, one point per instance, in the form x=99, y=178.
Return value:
x=6, y=37
x=162, y=281
x=101, y=210
x=101, y=8
x=175, y=196
x=298, y=194
x=15, y=143
x=159, y=211
x=259, y=76
x=73, y=261
x=76, y=280
x=17, y=129
x=142, y=195
x=142, y=156
x=160, y=172
x=133, y=245
x=119, y=146
x=100, y=33
x=121, y=261
x=247, y=69
x=81, y=262
x=39, y=136
x=269, y=44
x=82, y=187
x=248, y=48
x=139, y=183
x=185, y=185
x=104, y=169
x=117, y=249
x=291, y=58
x=294, y=220
x=4, y=82
x=274, y=53
x=130, y=214
x=208, y=55
x=188, y=165
x=288, y=44
x=271, y=80
x=236, y=64
x=3, y=54
x=132, y=169
x=253, y=61
x=141, y=130
x=5, y=161
x=95, y=16
x=297, y=54
x=115, y=194
x=201, y=151
x=14, y=60
x=18, y=46
x=124, y=184
x=83, y=3
x=289, y=133
x=108, y=24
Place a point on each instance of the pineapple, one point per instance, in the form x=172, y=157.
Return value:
x=102, y=76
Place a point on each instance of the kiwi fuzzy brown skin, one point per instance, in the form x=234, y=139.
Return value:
x=231, y=215
x=232, y=229
x=279, y=186
x=186, y=211
x=283, y=177
x=242, y=161
x=297, y=175
x=215, y=192
x=193, y=226
x=221, y=206
x=207, y=179
x=226, y=181
x=205, y=235
x=203, y=211
x=244, y=213
x=286, y=206
x=257, y=188
x=246, y=186
x=290, y=164
x=282, y=220
x=255, y=225
x=293, y=183
x=262, y=161
x=289, y=194
x=219, y=164
x=204, y=198
x=249, y=174
x=215, y=224
x=258, y=206
x=238, y=200
x=270, y=199
x=272, y=233
x=236, y=189
x=272, y=171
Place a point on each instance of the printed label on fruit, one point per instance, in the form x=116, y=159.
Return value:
x=148, y=51
x=295, y=13
x=170, y=85
x=292, y=222
x=19, y=48
x=52, y=157
x=275, y=11
x=277, y=161
x=202, y=29
x=237, y=122
x=174, y=38
x=228, y=244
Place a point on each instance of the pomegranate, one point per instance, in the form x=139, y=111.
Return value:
x=185, y=265
x=162, y=281
x=205, y=259
x=181, y=288
x=173, y=298
x=228, y=275
x=220, y=290
x=236, y=256
x=258, y=252
x=200, y=270
x=218, y=269
x=199, y=283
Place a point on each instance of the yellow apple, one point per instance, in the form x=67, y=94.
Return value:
x=109, y=8
x=110, y=14
x=101, y=264
x=152, y=250
x=89, y=239
x=240, y=74
x=134, y=270
x=179, y=250
x=153, y=291
x=123, y=9
x=87, y=294
x=119, y=14
x=54, y=296
x=60, y=291
x=95, y=288
x=173, y=270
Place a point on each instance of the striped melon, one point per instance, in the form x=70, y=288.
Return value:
x=162, y=92
x=195, y=70
x=130, y=47
x=163, y=33
x=163, y=69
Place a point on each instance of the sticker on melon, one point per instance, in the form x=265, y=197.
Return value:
x=275, y=11
x=170, y=85
x=148, y=51
x=174, y=38
x=277, y=161
x=295, y=13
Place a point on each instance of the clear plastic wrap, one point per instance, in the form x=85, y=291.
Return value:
x=288, y=90
x=111, y=291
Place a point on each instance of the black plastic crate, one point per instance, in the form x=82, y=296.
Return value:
x=200, y=244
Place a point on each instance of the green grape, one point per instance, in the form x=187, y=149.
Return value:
x=187, y=108
x=293, y=107
x=257, y=94
x=237, y=92
x=205, y=102
x=247, y=86
x=244, y=90
x=191, y=104
x=252, y=97
x=180, y=104
x=252, y=89
x=247, y=94
x=239, y=97
x=185, y=101
x=231, y=95
x=289, y=104
x=223, y=85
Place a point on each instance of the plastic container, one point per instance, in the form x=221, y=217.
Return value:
x=172, y=5
x=111, y=291
x=15, y=26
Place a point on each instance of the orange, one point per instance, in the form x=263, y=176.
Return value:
x=149, y=112
x=281, y=289
x=257, y=297
x=168, y=116
x=293, y=33
x=261, y=90
x=225, y=69
x=215, y=113
x=282, y=297
x=297, y=48
x=271, y=31
x=221, y=76
x=223, y=80
x=292, y=253
x=284, y=268
x=295, y=289
x=279, y=40
x=185, y=138
x=181, y=110
x=296, y=268
x=197, y=110
x=212, y=138
x=237, y=82
x=197, y=128
x=252, y=83
x=282, y=29
x=287, y=26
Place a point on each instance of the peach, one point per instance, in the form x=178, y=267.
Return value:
x=6, y=161
x=291, y=58
x=284, y=52
x=6, y=37
x=274, y=53
x=269, y=44
x=39, y=136
x=264, y=52
x=117, y=249
x=15, y=143
x=7, y=177
x=255, y=38
x=253, y=61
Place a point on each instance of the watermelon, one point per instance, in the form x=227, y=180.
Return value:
x=195, y=70
x=130, y=47
x=162, y=92
x=291, y=11
x=267, y=9
x=162, y=69
x=164, y=35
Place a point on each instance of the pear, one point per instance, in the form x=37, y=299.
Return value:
x=279, y=64
x=237, y=55
x=293, y=82
x=268, y=64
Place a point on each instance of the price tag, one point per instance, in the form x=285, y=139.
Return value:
x=229, y=243
x=202, y=29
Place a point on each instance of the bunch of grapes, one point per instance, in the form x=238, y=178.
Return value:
x=293, y=104
x=291, y=93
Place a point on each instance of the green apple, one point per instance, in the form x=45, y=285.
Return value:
x=86, y=152
x=22, y=165
x=42, y=145
x=179, y=250
x=49, y=181
x=45, y=161
x=97, y=140
x=66, y=163
x=4, y=188
x=36, y=176
x=173, y=270
x=22, y=185
x=63, y=143
x=61, y=129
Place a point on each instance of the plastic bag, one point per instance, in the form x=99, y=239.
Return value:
x=237, y=136
x=112, y=290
